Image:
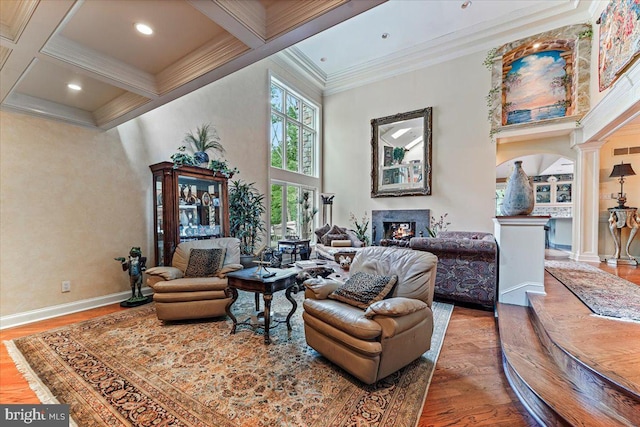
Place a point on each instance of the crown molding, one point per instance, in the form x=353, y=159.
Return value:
x=117, y=107
x=100, y=66
x=245, y=20
x=200, y=62
x=293, y=59
x=52, y=110
x=12, y=26
x=4, y=55
x=285, y=15
x=454, y=45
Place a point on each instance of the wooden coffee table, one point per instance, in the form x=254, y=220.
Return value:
x=247, y=280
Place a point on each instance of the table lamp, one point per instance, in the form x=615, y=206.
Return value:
x=622, y=170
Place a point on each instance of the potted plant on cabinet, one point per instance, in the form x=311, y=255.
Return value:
x=246, y=208
x=205, y=138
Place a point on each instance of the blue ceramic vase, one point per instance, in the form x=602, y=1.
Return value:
x=518, y=197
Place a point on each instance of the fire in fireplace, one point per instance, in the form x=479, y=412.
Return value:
x=400, y=224
x=399, y=230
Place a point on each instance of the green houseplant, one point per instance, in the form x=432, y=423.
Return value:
x=246, y=208
x=398, y=154
x=182, y=158
x=203, y=139
x=361, y=227
x=222, y=167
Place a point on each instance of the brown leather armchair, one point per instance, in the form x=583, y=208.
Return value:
x=373, y=343
x=178, y=297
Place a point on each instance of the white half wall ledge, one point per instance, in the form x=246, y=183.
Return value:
x=521, y=257
x=27, y=317
x=518, y=294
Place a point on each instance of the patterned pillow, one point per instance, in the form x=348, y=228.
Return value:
x=363, y=289
x=335, y=233
x=322, y=231
x=204, y=262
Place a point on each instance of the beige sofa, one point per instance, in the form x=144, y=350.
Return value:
x=391, y=333
x=177, y=297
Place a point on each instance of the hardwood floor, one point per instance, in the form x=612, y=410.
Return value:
x=468, y=387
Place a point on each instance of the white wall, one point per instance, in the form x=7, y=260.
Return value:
x=74, y=198
x=626, y=138
x=71, y=201
x=463, y=180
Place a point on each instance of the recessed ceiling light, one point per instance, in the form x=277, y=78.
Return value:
x=74, y=86
x=144, y=29
x=466, y=4
x=536, y=45
x=385, y=36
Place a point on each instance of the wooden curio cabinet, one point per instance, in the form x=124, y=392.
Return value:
x=190, y=203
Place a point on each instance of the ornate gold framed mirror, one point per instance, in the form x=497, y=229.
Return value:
x=401, y=154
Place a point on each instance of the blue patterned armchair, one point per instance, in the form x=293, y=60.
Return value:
x=467, y=266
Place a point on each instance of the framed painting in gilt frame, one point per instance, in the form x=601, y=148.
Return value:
x=619, y=42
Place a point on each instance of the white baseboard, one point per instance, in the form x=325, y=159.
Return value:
x=517, y=295
x=585, y=257
x=18, y=319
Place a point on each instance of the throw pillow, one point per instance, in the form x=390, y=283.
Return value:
x=205, y=262
x=322, y=231
x=328, y=238
x=363, y=289
x=335, y=233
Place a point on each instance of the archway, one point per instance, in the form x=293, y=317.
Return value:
x=552, y=178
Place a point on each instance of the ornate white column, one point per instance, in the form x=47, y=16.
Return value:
x=521, y=257
x=584, y=243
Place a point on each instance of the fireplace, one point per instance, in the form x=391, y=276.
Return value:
x=398, y=230
x=399, y=224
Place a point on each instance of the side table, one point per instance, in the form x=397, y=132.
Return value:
x=252, y=280
x=618, y=219
x=296, y=247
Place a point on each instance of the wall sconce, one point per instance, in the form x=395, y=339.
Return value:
x=622, y=170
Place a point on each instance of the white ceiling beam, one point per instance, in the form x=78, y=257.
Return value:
x=99, y=66
x=53, y=110
x=43, y=22
x=245, y=20
x=321, y=23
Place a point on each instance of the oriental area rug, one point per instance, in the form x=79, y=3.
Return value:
x=604, y=293
x=130, y=369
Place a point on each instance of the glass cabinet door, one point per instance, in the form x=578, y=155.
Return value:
x=543, y=193
x=190, y=203
x=563, y=193
x=159, y=215
x=199, y=208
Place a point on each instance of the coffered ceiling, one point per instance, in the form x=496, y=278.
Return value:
x=45, y=45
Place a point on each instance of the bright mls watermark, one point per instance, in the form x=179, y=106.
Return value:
x=34, y=415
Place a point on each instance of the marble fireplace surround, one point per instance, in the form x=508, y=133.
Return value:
x=420, y=216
